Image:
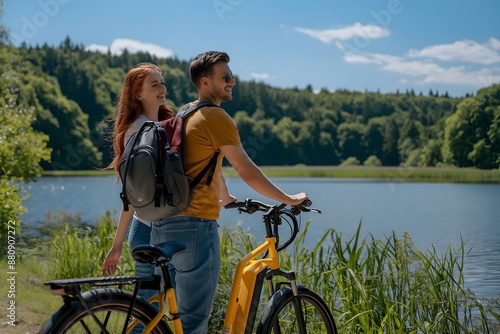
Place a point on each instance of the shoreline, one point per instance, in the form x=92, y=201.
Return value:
x=392, y=174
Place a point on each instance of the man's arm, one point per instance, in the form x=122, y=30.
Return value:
x=225, y=196
x=253, y=176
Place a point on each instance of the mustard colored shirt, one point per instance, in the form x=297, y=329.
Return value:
x=204, y=133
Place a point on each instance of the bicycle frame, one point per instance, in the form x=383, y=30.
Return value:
x=247, y=284
x=168, y=295
x=245, y=293
x=160, y=299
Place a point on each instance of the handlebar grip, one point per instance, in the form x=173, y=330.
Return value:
x=234, y=205
x=307, y=202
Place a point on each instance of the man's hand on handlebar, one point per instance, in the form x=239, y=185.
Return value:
x=297, y=199
x=250, y=206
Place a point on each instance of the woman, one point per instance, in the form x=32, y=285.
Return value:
x=142, y=99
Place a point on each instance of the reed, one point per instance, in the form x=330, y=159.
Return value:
x=371, y=285
x=376, y=286
x=80, y=251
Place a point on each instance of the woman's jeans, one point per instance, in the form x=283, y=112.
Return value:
x=140, y=234
x=195, y=270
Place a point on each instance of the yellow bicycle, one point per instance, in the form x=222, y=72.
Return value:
x=292, y=308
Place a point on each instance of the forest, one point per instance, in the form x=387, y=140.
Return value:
x=73, y=93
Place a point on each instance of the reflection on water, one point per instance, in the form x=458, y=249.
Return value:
x=482, y=270
x=435, y=215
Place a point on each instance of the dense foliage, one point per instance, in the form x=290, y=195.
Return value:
x=74, y=91
x=21, y=150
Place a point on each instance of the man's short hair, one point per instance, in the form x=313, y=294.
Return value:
x=201, y=66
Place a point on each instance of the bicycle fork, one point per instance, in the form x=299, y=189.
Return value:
x=292, y=282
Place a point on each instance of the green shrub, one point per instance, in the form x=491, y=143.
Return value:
x=11, y=198
x=372, y=160
x=351, y=161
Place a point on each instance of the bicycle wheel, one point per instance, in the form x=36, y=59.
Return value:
x=110, y=306
x=282, y=314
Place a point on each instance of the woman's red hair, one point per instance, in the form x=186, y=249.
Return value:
x=129, y=108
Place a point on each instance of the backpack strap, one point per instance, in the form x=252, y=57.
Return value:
x=189, y=108
x=209, y=167
x=163, y=147
x=185, y=111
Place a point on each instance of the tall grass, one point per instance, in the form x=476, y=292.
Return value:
x=79, y=252
x=371, y=285
x=390, y=286
x=375, y=286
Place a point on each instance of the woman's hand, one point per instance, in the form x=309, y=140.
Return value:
x=111, y=262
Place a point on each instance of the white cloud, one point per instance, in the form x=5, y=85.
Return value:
x=494, y=43
x=346, y=33
x=97, y=48
x=132, y=46
x=353, y=58
x=260, y=76
x=458, y=63
x=463, y=51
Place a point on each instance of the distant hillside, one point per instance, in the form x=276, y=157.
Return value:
x=74, y=91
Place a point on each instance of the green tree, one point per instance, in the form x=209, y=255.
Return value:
x=390, y=153
x=350, y=137
x=74, y=92
x=494, y=135
x=21, y=150
x=471, y=134
x=74, y=145
x=374, y=136
x=431, y=154
x=4, y=36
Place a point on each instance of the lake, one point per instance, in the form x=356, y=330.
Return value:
x=434, y=214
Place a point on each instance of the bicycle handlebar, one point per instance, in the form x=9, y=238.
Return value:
x=250, y=206
x=273, y=215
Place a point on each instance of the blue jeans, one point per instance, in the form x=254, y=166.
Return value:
x=140, y=234
x=195, y=270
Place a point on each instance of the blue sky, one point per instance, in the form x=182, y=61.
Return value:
x=445, y=45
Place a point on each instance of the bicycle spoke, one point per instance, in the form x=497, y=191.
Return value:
x=110, y=322
x=85, y=327
x=289, y=320
x=303, y=314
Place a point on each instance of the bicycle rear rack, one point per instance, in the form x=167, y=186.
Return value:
x=72, y=286
x=70, y=290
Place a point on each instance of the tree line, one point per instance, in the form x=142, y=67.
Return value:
x=73, y=93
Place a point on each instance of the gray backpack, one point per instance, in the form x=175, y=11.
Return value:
x=151, y=168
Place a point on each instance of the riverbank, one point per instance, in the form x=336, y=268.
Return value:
x=356, y=276
x=389, y=174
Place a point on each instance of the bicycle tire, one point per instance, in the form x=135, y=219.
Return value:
x=110, y=303
x=280, y=317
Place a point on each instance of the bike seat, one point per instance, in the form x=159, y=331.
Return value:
x=151, y=253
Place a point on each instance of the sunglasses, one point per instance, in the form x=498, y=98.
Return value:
x=228, y=77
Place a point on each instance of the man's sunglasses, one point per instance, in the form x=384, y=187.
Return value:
x=228, y=77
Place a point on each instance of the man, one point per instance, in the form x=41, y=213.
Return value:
x=207, y=131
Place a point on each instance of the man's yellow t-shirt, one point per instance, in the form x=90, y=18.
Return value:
x=204, y=133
